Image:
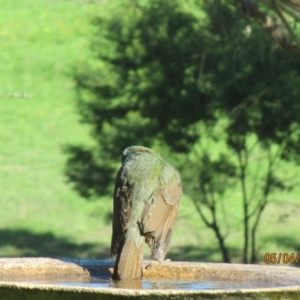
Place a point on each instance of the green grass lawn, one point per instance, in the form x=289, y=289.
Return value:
x=39, y=211
x=40, y=214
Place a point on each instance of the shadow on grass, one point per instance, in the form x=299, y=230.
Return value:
x=192, y=253
x=291, y=243
x=24, y=243
x=200, y=254
x=286, y=241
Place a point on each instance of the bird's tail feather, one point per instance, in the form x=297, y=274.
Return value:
x=129, y=261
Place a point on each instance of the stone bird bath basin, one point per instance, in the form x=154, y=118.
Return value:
x=51, y=279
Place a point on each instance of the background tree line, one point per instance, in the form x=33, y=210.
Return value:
x=206, y=84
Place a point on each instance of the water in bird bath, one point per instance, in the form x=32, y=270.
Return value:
x=146, y=284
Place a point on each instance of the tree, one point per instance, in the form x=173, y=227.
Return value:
x=173, y=75
x=253, y=88
x=134, y=59
x=280, y=20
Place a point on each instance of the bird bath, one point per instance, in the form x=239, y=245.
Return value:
x=45, y=278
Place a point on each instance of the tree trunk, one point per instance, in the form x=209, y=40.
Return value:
x=224, y=249
x=245, y=209
x=214, y=226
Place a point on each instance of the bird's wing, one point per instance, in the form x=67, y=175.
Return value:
x=160, y=214
x=122, y=211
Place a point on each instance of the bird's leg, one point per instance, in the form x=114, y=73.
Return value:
x=157, y=262
x=158, y=254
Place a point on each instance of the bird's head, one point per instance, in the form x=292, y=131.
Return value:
x=135, y=150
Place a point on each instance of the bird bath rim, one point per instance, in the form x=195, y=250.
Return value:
x=14, y=268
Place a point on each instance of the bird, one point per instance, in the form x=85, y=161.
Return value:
x=146, y=202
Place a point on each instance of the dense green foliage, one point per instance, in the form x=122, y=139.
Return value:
x=170, y=74
x=142, y=88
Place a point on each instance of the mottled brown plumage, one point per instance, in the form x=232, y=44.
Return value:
x=147, y=196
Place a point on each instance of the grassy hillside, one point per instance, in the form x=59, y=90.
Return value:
x=41, y=40
x=40, y=214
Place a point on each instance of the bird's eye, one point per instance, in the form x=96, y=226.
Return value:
x=123, y=157
x=125, y=153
